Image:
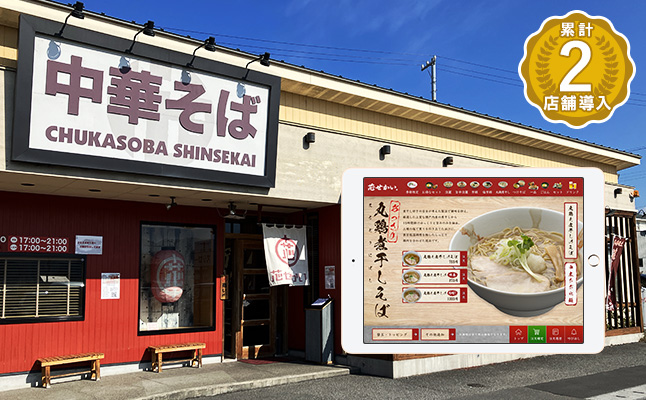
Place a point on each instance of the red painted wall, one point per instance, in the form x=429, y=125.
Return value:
x=110, y=326
x=330, y=254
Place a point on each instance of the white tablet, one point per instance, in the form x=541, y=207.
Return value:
x=473, y=261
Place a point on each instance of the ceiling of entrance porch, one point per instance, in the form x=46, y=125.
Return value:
x=57, y=185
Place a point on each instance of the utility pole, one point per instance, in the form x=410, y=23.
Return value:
x=433, y=76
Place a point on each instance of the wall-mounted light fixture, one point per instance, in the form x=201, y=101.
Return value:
x=77, y=12
x=148, y=30
x=209, y=45
x=263, y=58
x=383, y=151
x=171, y=204
x=447, y=161
x=233, y=214
x=309, y=138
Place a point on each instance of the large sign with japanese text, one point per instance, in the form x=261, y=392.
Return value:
x=97, y=107
x=476, y=260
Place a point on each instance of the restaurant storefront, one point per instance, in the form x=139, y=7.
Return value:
x=138, y=172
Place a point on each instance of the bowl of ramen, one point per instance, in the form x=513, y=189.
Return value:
x=411, y=258
x=411, y=295
x=515, y=258
x=411, y=276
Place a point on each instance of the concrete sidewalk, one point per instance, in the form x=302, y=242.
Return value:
x=181, y=383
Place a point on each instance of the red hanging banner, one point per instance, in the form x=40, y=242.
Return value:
x=617, y=249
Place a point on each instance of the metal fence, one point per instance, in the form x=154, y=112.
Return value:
x=623, y=315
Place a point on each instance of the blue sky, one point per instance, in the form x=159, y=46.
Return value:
x=478, y=46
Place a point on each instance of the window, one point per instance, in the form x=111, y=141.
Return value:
x=41, y=289
x=176, y=280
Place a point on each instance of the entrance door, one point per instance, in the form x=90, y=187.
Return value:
x=252, y=305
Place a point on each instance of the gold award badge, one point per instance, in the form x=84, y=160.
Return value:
x=577, y=69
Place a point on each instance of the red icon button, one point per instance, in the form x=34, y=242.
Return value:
x=574, y=334
x=517, y=334
x=555, y=334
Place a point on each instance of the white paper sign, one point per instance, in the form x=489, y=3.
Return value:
x=286, y=255
x=330, y=277
x=110, y=285
x=89, y=244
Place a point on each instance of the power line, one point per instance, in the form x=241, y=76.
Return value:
x=369, y=59
x=633, y=179
x=347, y=49
x=480, y=77
x=405, y=59
x=343, y=60
x=515, y=80
x=294, y=44
x=481, y=65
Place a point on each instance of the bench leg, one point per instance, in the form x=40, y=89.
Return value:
x=96, y=370
x=45, y=376
x=199, y=358
x=159, y=362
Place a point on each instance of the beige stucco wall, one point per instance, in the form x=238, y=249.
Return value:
x=314, y=112
x=316, y=172
x=619, y=200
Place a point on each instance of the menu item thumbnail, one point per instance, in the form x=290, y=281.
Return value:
x=411, y=258
x=411, y=295
x=411, y=276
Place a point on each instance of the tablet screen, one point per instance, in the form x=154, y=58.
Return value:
x=458, y=259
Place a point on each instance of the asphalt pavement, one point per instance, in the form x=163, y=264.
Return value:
x=618, y=372
x=181, y=382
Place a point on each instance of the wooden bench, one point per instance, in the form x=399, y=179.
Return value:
x=47, y=363
x=157, y=352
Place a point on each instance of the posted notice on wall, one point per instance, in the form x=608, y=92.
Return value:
x=89, y=244
x=330, y=277
x=110, y=285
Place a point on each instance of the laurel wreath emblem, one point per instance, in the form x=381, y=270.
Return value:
x=607, y=83
x=543, y=71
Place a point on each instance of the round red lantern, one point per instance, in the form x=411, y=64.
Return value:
x=167, y=275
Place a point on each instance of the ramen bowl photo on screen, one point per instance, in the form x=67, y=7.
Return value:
x=515, y=258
